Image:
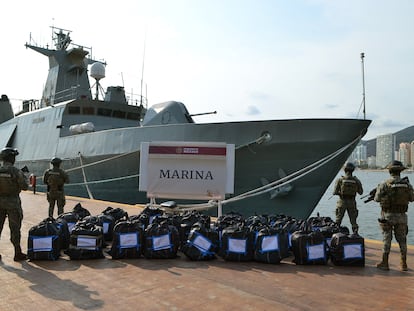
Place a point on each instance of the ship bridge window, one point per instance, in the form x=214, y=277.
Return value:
x=119, y=114
x=88, y=110
x=74, y=110
x=104, y=112
x=133, y=116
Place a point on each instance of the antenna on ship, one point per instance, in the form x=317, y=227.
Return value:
x=98, y=73
x=363, y=84
x=143, y=62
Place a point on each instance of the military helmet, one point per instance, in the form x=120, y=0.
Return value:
x=396, y=166
x=8, y=152
x=56, y=160
x=349, y=166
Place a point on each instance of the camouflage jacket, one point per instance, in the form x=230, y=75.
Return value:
x=12, y=180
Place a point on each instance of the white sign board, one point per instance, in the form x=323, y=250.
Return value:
x=187, y=170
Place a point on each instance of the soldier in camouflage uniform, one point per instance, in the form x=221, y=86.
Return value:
x=346, y=187
x=55, y=178
x=394, y=195
x=12, y=181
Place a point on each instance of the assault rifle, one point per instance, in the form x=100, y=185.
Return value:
x=371, y=194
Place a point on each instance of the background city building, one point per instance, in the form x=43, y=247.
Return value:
x=404, y=154
x=359, y=155
x=385, y=150
x=372, y=162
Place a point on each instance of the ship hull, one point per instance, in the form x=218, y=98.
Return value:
x=110, y=160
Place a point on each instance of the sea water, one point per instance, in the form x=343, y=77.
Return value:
x=368, y=212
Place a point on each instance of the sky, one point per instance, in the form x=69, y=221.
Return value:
x=245, y=59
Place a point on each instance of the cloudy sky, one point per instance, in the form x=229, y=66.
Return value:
x=247, y=60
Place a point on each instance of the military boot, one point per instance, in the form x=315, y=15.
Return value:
x=383, y=265
x=18, y=255
x=403, y=262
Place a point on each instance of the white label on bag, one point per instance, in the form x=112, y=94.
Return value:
x=316, y=251
x=237, y=245
x=86, y=243
x=270, y=243
x=161, y=242
x=128, y=240
x=202, y=243
x=42, y=244
x=352, y=251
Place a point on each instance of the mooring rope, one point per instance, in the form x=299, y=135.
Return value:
x=292, y=177
x=103, y=180
x=84, y=177
x=101, y=161
x=81, y=167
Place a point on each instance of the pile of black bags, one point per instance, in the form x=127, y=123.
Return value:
x=156, y=234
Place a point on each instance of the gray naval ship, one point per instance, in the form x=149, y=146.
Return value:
x=281, y=166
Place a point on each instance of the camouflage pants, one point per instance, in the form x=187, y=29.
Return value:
x=349, y=206
x=396, y=222
x=11, y=207
x=58, y=198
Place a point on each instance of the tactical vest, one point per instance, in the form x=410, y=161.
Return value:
x=399, y=193
x=55, y=181
x=349, y=186
x=8, y=182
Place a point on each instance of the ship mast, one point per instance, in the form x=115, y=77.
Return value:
x=363, y=84
x=67, y=78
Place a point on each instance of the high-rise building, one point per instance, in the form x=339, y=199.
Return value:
x=359, y=155
x=371, y=162
x=412, y=153
x=404, y=154
x=385, y=150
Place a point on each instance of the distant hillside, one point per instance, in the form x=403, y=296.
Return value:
x=405, y=135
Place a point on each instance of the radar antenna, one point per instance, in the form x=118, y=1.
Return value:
x=98, y=73
x=61, y=38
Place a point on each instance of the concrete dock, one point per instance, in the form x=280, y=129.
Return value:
x=181, y=284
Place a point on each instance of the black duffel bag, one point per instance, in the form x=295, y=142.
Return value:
x=187, y=221
x=116, y=213
x=107, y=223
x=44, y=240
x=347, y=249
x=309, y=248
x=162, y=240
x=202, y=243
x=271, y=245
x=237, y=243
x=86, y=241
x=127, y=240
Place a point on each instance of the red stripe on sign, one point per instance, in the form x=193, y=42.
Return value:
x=219, y=151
